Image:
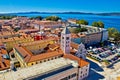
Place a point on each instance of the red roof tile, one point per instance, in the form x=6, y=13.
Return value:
x=81, y=62
x=4, y=63
x=29, y=57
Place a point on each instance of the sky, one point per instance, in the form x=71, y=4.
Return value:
x=10, y=6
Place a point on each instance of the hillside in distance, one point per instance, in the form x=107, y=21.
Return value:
x=84, y=13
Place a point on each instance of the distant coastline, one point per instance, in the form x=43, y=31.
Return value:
x=110, y=20
x=101, y=14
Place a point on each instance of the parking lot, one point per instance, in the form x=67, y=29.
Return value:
x=103, y=54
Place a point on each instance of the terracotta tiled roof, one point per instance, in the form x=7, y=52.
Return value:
x=53, y=46
x=15, y=39
x=8, y=33
x=24, y=52
x=74, y=35
x=81, y=62
x=74, y=45
x=46, y=55
x=28, y=30
x=1, y=44
x=37, y=42
x=4, y=63
x=7, y=40
x=29, y=57
x=3, y=51
x=47, y=22
x=72, y=51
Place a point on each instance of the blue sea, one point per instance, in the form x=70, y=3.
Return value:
x=109, y=21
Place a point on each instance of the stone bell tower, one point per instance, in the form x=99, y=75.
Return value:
x=65, y=40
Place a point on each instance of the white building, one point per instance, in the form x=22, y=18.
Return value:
x=83, y=67
x=104, y=35
x=83, y=72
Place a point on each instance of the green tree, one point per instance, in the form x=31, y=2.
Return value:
x=37, y=17
x=53, y=18
x=101, y=44
x=99, y=24
x=77, y=30
x=83, y=22
x=80, y=30
x=117, y=38
x=31, y=18
x=95, y=24
x=16, y=29
x=7, y=17
x=112, y=32
x=83, y=29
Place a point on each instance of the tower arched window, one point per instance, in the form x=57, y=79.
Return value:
x=67, y=38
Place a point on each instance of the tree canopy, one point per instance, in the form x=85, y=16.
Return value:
x=81, y=30
x=37, y=17
x=114, y=33
x=7, y=17
x=99, y=24
x=117, y=37
x=53, y=18
x=83, y=22
x=16, y=29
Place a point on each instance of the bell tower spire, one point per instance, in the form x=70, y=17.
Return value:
x=65, y=40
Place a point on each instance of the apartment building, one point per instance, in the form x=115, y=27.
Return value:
x=93, y=35
x=93, y=38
